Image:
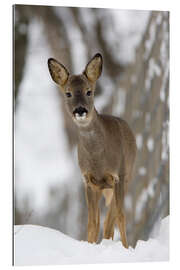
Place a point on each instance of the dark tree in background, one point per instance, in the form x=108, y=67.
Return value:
x=137, y=90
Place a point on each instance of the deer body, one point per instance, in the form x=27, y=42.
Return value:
x=102, y=150
x=106, y=148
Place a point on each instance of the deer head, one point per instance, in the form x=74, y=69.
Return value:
x=78, y=90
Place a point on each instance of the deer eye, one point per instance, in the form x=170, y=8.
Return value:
x=88, y=93
x=68, y=94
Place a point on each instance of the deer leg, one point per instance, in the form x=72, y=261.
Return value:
x=110, y=221
x=119, y=190
x=92, y=198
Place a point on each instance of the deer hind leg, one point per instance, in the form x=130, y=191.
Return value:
x=92, y=198
x=119, y=190
x=110, y=221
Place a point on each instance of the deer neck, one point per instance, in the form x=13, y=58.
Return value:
x=93, y=132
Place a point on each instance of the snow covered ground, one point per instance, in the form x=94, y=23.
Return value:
x=37, y=245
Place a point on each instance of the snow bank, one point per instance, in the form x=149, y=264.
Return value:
x=37, y=245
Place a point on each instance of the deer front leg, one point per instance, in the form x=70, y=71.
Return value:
x=119, y=189
x=110, y=221
x=92, y=198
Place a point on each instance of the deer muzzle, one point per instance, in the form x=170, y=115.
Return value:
x=80, y=113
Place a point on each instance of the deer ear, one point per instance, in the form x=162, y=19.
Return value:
x=94, y=68
x=58, y=72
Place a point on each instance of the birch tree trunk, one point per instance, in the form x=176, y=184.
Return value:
x=146, y=84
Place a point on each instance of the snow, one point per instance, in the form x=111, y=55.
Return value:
x=119, y=107
x=102, y=100
x=139, y=141
x=165, y=141
x=150, y=41
x=146, y=193
x=142, y=171
x=153, y=70
x=128, y=202
x=150, y=144
x=164, y=83
x=37, y=245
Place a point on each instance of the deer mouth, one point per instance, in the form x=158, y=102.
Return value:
x=80, y=113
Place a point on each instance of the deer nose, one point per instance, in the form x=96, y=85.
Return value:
x=80, y=110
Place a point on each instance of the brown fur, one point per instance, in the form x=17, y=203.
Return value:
x=106, y=150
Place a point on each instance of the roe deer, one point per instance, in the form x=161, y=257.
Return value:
x=106, y=148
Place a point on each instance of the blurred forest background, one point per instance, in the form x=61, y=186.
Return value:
x=134, y=85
